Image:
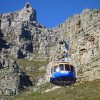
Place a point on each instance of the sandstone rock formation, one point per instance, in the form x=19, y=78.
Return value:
x=83, y=33
x=9, y=76
x=21, y=36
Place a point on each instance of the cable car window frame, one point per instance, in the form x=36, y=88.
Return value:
x=68, y=67
x=55, y=69
x=60, y=67
x=72, y=68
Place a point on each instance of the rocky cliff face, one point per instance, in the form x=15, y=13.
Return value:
x=21, y=36
x=12, y=79
x=9, y=76
x=21, y=31
x=83, y=33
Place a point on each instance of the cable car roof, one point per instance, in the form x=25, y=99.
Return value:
x=58, y=63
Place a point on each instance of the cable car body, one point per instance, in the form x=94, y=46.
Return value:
x=62, y=74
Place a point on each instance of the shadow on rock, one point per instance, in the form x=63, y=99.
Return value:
x=3, y=43
x=25, y=81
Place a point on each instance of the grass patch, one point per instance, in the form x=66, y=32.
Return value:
x=82, y=91
x=36, y=73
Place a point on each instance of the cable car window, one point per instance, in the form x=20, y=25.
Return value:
x=61, y=67
x=56, y=68
x=72, y=68
x=67, y=67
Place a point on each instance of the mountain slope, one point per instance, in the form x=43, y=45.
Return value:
x=82, y=91
x=35, y=48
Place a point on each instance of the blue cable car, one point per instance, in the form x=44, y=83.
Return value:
x=62, y=74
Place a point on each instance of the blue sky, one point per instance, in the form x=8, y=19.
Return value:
x=50, y=13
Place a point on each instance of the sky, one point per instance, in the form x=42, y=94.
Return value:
x=50, y=13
